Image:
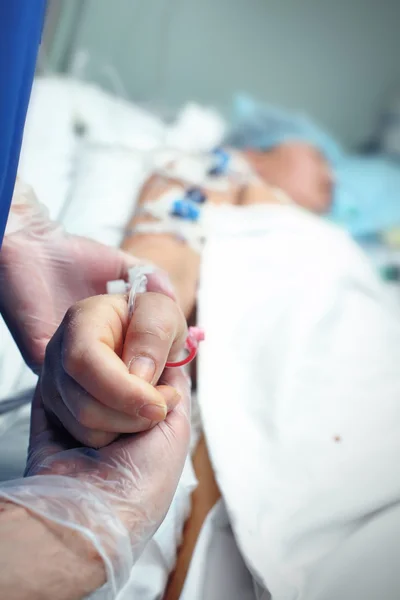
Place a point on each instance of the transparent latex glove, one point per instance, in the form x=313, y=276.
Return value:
x=115, y=497
x=104, y=374
x=44, y=271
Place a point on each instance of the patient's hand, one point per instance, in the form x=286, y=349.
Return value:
x=103, y=375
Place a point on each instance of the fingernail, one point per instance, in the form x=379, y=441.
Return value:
x=153, y=412
x=143, y=367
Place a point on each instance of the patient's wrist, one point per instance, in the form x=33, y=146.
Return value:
x=175, y=257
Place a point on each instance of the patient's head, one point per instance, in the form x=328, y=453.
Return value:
x=299, y=170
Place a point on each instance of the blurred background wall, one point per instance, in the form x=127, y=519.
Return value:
x=335, y=59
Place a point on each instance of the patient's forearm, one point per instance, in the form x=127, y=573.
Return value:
x=175, y=257
x=165, y=250
x=40, y=560
x=178, y=259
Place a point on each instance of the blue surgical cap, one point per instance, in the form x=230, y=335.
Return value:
x=262, y=127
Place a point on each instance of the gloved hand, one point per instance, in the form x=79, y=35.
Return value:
x=101, y=367
x=115, y=497
x=44, y=271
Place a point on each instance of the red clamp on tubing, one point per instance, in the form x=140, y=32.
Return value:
x=196, y=335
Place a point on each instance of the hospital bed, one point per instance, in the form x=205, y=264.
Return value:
x=96, y=147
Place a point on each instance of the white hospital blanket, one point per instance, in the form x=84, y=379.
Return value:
x=299, y=387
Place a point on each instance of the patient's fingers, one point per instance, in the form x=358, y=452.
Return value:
x=103, y=375
x=85, y=382
x=86, y=418
x=92, y=438
x=93, y=343
x=156, y=333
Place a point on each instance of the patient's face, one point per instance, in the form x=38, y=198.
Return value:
x=298, y=169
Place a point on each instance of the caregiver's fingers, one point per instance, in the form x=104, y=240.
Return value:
x=162, y=451
x=159, y=454
x=178, y=379
x=156, y=333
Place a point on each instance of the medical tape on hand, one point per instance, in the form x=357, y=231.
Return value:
x=169, y=208
x=137, y=284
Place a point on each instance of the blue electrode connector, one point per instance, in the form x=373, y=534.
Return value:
x=185, y=210
x=21, y=25
x=196, y=195
x=221, y=162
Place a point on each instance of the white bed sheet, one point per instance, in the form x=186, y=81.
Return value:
x=217, y=570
